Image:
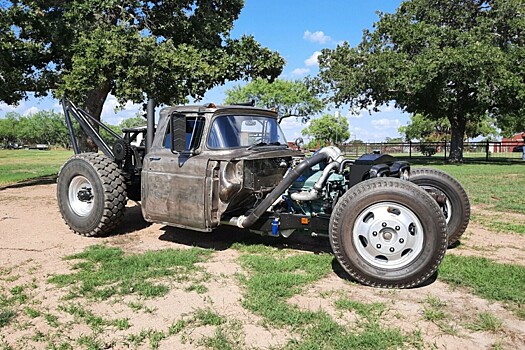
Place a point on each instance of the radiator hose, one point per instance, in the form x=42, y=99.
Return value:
x=325, y=154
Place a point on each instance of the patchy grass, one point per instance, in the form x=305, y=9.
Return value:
x=497, y=223
x=198, y=288
x=95, y=322
x=154, y=337
x=279, y=275
x=488, y=279
x=206, y=317
x=486, y=322
x=6, y=316
x=104, y=271
x=19, y=165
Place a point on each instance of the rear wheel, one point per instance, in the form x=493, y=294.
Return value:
x=388, y=233
x=455, y=206
x=91, y=194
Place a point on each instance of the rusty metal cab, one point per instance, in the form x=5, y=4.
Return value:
x=208, y=161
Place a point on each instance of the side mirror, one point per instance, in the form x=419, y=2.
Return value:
x=178, y=132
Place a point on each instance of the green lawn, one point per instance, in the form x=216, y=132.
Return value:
x=19, y=165
x=499, y=186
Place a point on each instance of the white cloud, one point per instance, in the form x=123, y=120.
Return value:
x=300, y=71
x=30, y=111
x=388, y=108
x=292, y=128
x=312, y=60
x=5, y=108
x=386, y=123
x=317, y=37
x=113, y=113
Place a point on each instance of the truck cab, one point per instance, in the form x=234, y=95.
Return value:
x=208, y=161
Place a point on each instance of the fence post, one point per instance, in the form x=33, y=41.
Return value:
x=410, y=149
x=445, y=150
x=487, y=151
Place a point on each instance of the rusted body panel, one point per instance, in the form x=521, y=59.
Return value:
x=195, y=190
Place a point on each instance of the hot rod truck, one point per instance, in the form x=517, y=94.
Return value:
x=206, y=166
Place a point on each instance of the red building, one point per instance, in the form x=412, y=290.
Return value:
x=507, y=144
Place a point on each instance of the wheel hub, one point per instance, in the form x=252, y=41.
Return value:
x=80, y=195
x=388, y=235
x=84, y=194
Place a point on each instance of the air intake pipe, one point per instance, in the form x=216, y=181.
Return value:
x=325, y=154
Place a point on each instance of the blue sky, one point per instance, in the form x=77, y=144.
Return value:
x=298, y=30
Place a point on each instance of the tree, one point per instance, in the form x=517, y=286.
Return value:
x=329, y=129
x=393, y=139
x=428, y=130
x=425, y=129
x=454, y=59
x=133, y=122
x=133, y=49
x=9, y=128
x=288, y=97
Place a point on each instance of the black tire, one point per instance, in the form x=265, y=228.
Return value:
x=91, y=194
x=457, y=207
x=388, y=233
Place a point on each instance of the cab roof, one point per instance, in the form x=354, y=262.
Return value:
x=212, y=108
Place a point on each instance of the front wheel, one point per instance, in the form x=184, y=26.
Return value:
x=389, y=233
x=91, y=194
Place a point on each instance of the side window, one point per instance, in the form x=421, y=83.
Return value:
x=194, y=130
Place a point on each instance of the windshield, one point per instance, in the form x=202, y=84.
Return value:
x=231, y=131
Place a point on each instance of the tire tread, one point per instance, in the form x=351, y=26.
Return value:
x=114, y=186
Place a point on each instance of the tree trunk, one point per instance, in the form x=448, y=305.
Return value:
x=458, y=125
x=93, y=104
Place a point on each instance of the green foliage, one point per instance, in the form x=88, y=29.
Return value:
x=425, y=129
x=329, y=129
x=166, y=50
x=46, y=127
x=288, y=97
x=453, y=59
x=106, y=271
x=132, y=122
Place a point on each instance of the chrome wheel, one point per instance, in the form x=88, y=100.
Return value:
x=388, y=235
x=81, y=196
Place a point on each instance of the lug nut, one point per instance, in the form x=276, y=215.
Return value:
x=392, y=250
x=378, y=246
x=398, y=228
x=383, y=224
x=401, y=240
x=374, y=233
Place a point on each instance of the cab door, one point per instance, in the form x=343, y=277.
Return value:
x=173, y=184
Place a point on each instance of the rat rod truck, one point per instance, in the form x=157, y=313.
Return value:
x=205, y=166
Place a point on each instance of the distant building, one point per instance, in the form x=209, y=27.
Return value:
x=507, y=144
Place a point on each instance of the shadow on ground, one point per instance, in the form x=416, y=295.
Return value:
x=44, y=180
x=225, y=236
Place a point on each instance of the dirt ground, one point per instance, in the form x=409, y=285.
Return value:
x=34, y=239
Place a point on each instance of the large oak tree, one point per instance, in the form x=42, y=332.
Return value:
x=133, y=49
x=455, y=59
